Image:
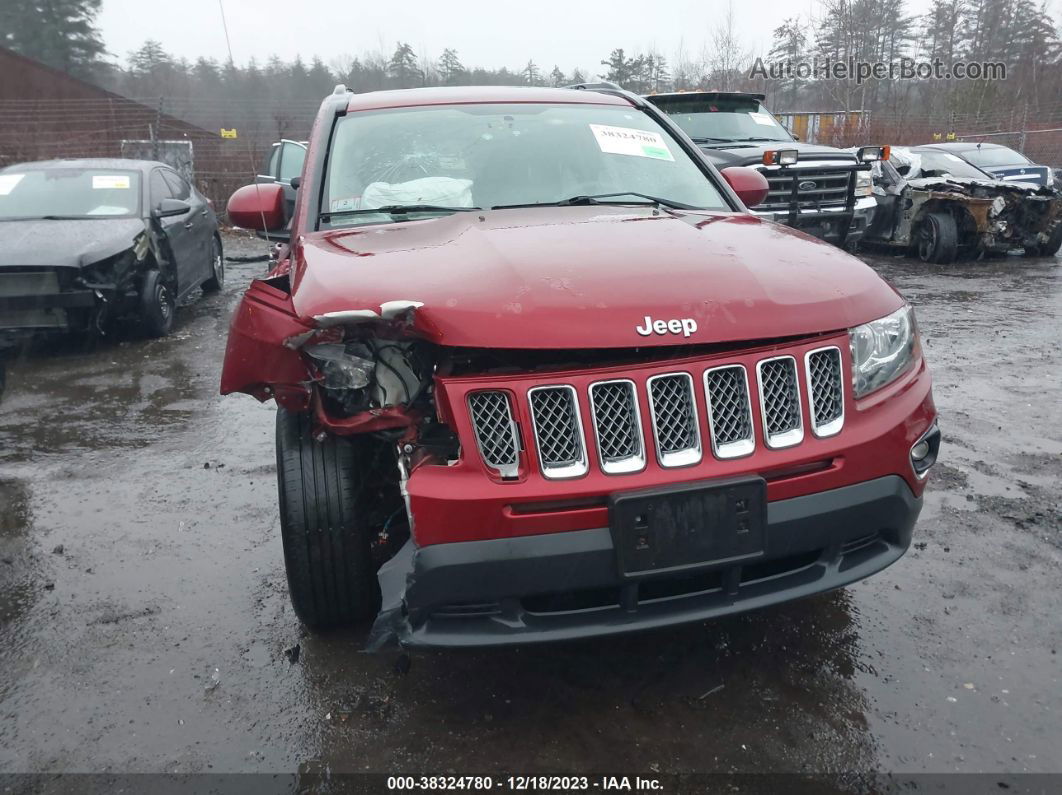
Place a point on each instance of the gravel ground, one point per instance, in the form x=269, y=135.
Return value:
x=144, y=614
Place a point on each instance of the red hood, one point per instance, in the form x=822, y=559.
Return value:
x=586, y=277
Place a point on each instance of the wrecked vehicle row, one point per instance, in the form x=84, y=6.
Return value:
x=85, y=242
x=541, y=375
x=941, y=207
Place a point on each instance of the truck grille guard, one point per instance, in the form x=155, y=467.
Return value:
x=736, y=419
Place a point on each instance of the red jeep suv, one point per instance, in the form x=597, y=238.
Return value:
x=541, y=375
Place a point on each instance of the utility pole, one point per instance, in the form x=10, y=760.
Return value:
x=1024, y=125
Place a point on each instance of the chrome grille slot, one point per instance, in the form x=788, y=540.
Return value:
x=780, y=401
x=825, y=391
x=492, y=420
x=674, y=414
x=558, y=431
x=729, y=411
x=617, y=426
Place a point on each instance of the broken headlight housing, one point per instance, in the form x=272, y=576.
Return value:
x=882, y=350
x=344, y=366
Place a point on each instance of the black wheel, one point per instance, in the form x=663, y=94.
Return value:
x=1048, y=249
x=937, y=239
x=157, y=305
x=327, y=553
x=217, y=267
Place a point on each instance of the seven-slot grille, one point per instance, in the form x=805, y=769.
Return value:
x=558, y=431
x=617, y=421
x=618, y=426
x=492, y=420
x=729, y=411
x=674, y=413
x=823, y=368
x=780, y=401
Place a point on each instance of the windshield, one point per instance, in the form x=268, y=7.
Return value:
x=718, y=119
x=943, y=164
x=489, y=155
x=996, y=157
x=69, y=193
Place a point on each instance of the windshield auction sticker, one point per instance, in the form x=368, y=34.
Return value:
x=762, y=118
x=110, y=182
x=628, y=141
x=8, y=182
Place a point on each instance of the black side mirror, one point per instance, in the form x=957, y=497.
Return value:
x=295, y=182
x=168, y=207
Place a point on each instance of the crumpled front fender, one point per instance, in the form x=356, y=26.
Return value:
x=262, y=350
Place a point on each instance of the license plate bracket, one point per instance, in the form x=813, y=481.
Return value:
x=688, y=526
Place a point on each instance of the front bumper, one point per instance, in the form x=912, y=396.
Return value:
x=40, y=301
x=833, y=224
x=562, y=586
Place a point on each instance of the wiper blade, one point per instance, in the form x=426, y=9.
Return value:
x=399, y=209
x=603, y=198
x=597, y=199
x=709, y=140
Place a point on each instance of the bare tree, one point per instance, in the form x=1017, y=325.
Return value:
x=726, y=56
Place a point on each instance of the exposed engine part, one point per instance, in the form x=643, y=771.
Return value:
x=372, y=373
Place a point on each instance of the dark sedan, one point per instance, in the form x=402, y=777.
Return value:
x=83, y=242
x=1001, y=162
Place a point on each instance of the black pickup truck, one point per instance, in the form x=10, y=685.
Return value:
x=821, y=190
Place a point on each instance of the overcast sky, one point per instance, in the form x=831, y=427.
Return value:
x=491, y=33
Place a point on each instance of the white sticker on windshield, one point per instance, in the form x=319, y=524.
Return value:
x=8, y=182
x=628, y=141
x=762, y=118
x=110, y=182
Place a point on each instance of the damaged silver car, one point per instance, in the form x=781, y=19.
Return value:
x=941, y=208
x=84, y=242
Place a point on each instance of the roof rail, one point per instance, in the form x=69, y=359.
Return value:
x=608, y=87
x=606, y=84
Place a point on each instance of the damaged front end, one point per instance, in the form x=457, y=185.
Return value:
x=366, y=376
x=80, y=294
x=924, y=213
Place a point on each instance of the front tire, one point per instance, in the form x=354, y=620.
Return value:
x=216, y=280
x=938, y=238
x=327, y=553
x=1048, y=249
x=158, y=304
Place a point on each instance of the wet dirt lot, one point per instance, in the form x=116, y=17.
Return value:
x=144, y=614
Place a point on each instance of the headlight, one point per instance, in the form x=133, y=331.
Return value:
x=343, y=366
x=882, y=350
x=864, y=184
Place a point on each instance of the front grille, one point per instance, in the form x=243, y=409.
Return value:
x=618, y=426
x=780, y=401
x=825, y=392
x=24, y=283
x=675, y=419
x=831, y=188
x=492, y=420
x=558, y=431
x=621, y=434
x=729, y=412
